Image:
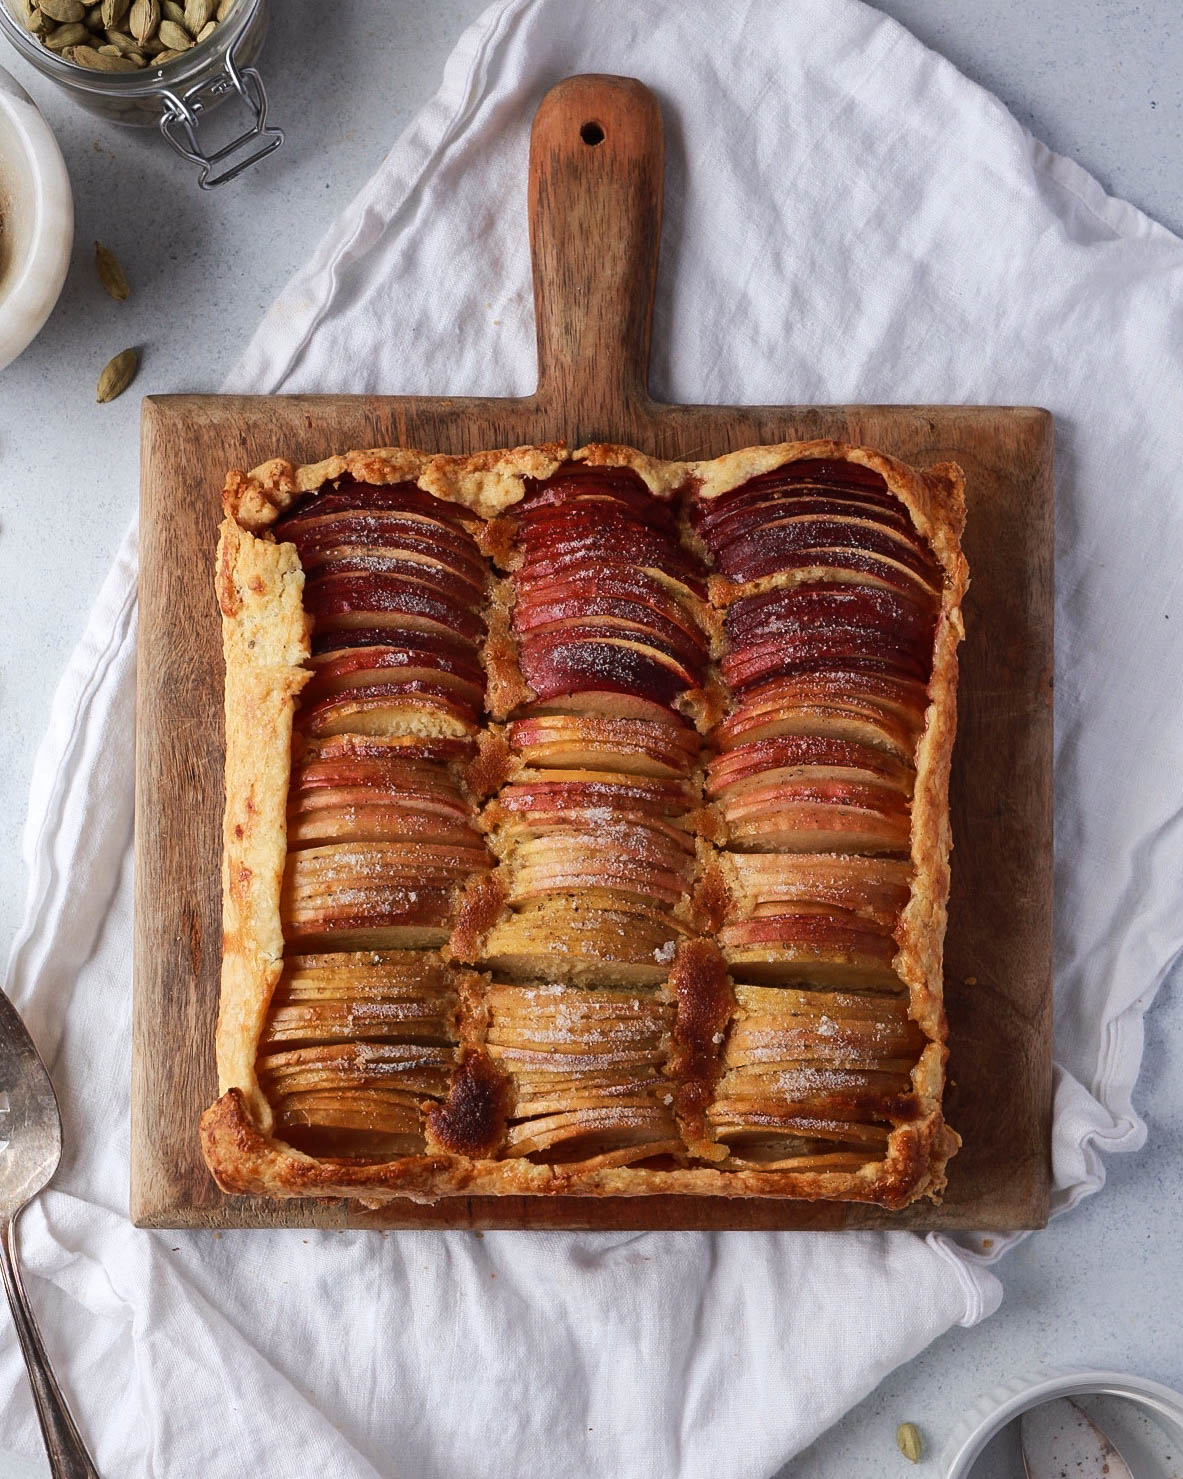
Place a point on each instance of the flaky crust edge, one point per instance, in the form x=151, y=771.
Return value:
x=266, y=643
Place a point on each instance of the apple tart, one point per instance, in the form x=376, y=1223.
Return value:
x=587, y=824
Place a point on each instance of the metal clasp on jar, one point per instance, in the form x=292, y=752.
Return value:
x=181, y=121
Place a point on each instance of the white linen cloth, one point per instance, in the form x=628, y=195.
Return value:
x=847, y=218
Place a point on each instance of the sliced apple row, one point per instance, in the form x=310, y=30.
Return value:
x=863, y=708
x=831, y=605
x=661, y=748
x=360, y=1098
x=382, y=838
x=607, y=600
x=828, y=674
x=814, y=1080
x=585, y=1067
x=396, y=587
x=382, y=841
x=370, y=788
x=354, y=1045
x=595, y=832
x=827, y=518
x=870, y=889
x=811, y=793
x=382, y=995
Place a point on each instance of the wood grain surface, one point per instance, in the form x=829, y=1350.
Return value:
x=596, y=158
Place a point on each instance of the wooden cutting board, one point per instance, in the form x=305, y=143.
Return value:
x=595, y=186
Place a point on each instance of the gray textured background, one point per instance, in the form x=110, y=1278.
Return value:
x=1098, y=80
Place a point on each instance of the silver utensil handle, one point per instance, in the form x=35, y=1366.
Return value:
x=68, y=1458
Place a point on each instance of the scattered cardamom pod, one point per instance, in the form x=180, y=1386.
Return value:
x=175, y=37
x=111, y=273
x=62, y=10
x=75, y=34
x=198, y=14
x=171, y=11
x=910, y=1442
x=120, y=40
x=98, y=61
x=117, y=375
x=114, y=12
x=207, y=31
x=145, y=18
x=35, y=21
x=94, y=19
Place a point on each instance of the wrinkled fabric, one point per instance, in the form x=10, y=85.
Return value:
x=846, y=218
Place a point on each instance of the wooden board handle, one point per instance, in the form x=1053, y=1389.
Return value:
x=597, y=160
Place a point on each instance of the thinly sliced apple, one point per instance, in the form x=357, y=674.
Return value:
x=665, y=748
x=376, y=823
x=367, y=601
x=573, y=663
x=392, y=709
x=586, y=939
x=806, y=756
x=815, y=948
x=347, y=493
x=877, y=888
x=611, y=615
x=416, y=537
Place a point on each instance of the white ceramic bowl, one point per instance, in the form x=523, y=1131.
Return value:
x=36, y=220
x=991, y=1414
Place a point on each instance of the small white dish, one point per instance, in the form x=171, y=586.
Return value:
x=36, y=220
x=990, y=1415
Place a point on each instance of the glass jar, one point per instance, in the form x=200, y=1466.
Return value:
x=177, y=96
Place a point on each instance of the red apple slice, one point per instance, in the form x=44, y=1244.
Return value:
x=718, y=527
x=789, y=819
x=803, y=609
x=388, y=715
x=377, y=823
x=598, y=790
x=603, y=703
x=815, y=948
x=314, y=536
x=447, y=573
x=778, y=546
x=876, y=888
x=634, y=746
x=384, y=751
x=347, y=493
x=574, y=663
x=374, y=601
x=804, y=756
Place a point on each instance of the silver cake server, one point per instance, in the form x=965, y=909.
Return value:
x=30, y=1148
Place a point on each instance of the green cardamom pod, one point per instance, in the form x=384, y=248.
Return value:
x=145, y=19
x=117, y=375
x=75, y=34
x=175, y=37
x=910, y=1442
x=99, y=61
x=198, y=14
x=63, y=11
x=111, y=273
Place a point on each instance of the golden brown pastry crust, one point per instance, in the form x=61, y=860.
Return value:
x=266, y=641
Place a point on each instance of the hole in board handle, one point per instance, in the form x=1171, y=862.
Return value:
x=592, y=134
